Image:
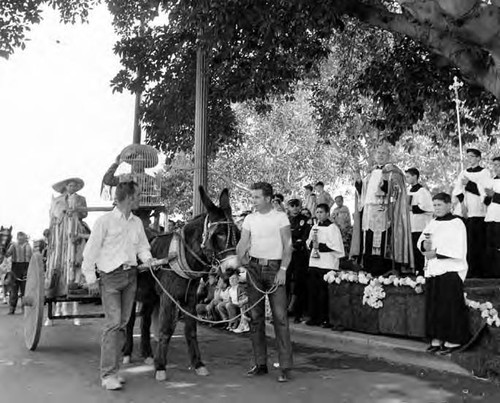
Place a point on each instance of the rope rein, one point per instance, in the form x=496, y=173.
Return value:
x=215, y=322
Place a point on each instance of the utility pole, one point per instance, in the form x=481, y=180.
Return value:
x=200, y=131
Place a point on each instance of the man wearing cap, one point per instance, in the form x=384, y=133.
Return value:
x=470, y=191
x=297, y=271
x=116, y=240
x=266, y=244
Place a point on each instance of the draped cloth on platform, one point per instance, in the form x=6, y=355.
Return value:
x=382, y=218
x=65, y=249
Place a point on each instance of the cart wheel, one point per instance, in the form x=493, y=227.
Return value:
x=33, y=301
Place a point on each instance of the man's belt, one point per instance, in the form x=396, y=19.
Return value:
x=264, y=262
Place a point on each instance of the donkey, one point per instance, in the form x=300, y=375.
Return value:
x=207, y=238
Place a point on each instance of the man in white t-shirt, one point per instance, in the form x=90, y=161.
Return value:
x=266, y=245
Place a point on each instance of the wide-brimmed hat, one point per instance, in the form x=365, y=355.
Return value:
x=60, y=187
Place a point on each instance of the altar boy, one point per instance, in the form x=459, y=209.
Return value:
x=444, y=243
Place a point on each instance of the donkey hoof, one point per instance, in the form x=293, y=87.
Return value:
x=202, y=371
x=149, y=361
x=161, y=375
x=126, y=359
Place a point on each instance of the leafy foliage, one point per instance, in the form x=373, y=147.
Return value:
x=17, y=17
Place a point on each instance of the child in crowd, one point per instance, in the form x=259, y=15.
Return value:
x=206, y=296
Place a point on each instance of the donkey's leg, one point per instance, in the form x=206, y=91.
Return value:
x=146, y=316
x=190, y=334
x=129, y=337
x=167, y=322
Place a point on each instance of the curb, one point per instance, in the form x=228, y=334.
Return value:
x=400, y=351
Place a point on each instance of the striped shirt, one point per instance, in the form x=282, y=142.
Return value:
x=20, y=253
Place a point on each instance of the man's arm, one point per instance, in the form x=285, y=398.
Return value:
x=243, y=246
x=109, y=177
x=286, y=241
x=144, y=248
x=91, y=252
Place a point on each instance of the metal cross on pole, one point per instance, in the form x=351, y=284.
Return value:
x=457, y=84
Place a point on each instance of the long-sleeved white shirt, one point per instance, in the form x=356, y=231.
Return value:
x=114, y=241
x=331, y=236
x=420, y=197
x=449, y=239
x=474, y=203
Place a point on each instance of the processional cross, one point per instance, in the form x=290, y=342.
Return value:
x=457, y=84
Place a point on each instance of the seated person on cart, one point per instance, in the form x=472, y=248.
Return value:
x=68, y=234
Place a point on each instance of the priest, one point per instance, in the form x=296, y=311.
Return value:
x=382, y=234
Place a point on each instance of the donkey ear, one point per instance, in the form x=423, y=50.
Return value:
x=224, y=202
x=209, y=205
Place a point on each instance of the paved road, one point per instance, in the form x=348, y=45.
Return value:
x=64, y=369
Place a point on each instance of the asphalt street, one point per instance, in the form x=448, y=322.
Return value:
x=65, y=369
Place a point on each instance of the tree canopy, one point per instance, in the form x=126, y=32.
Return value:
x=260, y=48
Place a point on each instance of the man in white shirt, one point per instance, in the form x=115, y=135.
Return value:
x=420, y=203
x=470, y=191
x=444, y=244
x=322, y=196
x=116, y=240
x=266, y=245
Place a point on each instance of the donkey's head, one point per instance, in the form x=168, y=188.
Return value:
x=220, y=233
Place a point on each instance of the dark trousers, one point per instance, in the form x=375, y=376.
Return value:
x=263, y=276
x=20, y=271
x=297, y=281
x=446, y=316
x=418, y=256
x=492, y=266
x=318, y=295
x=476, y=246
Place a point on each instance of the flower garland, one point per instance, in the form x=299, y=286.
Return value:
x=374, y=293
x=487, y=311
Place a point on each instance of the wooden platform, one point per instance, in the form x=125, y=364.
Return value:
x=403, y=315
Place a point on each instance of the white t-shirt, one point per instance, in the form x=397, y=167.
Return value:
x=265, y=237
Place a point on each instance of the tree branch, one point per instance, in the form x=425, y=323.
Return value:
x=470, y=59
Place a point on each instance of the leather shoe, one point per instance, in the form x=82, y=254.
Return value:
x=258, y=370
x=433, y=349
x=284, y=376
x=448, y=350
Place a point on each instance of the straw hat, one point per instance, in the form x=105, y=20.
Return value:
x=60, y=187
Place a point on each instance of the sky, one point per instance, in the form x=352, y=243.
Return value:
x=59, y=117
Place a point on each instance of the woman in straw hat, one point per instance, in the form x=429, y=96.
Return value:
x=67, y=240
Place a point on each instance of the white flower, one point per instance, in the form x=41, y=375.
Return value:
x=493, y=312
x=338, y=280
x=489, y=305
x=490, y=321
x=497, y=322
x=484, y=314
x=419, y=289
x=421, y=280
